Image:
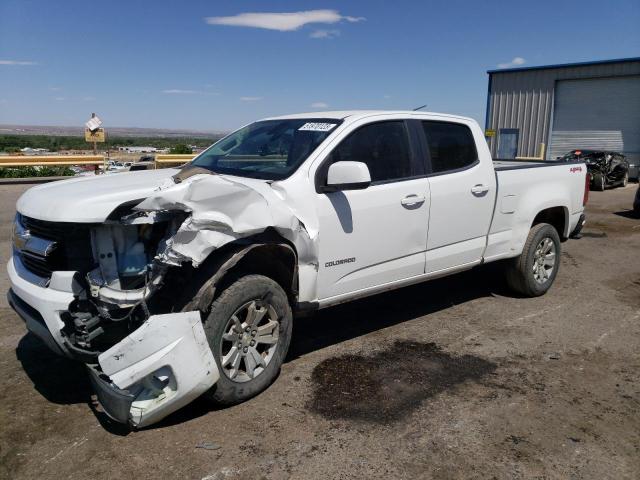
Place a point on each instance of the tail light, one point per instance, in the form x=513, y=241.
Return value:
x=587, y=181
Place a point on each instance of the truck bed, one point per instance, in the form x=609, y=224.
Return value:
x=500, y=165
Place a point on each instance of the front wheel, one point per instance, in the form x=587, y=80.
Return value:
x=533, y=272
x=248, y=330
x=625, y=179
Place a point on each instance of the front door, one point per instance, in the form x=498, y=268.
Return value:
x=377, y=235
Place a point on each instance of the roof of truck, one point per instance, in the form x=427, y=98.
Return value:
x=342, y=114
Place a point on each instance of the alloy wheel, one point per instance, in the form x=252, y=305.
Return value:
x=544, y=260
x=249, y=341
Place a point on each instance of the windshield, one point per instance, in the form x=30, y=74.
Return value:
x=270, y=150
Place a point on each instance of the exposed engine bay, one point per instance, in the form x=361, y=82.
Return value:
x=154, y=244
x=112, y=300
x=129, y=322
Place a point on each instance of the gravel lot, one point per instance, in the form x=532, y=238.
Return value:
x=455, y=378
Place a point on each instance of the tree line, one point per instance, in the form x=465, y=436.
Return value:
x=14, y=143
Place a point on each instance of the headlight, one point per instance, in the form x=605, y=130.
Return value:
x=20, y=234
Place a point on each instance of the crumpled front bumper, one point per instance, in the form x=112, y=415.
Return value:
x=160, y=367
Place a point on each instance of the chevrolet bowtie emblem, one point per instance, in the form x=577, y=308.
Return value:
x=21, y=238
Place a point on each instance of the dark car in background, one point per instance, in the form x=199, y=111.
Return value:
x=606, y=168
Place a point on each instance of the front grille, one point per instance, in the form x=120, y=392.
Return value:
x=72, y=251
x=36, y=264
x=49, y=230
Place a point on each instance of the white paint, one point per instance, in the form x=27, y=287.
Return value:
x=172, y=345
x=89, y=199
x=450, y=230
x=345, y=173
x=462, y=205
x=349, y=243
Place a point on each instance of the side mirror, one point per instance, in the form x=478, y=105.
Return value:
x=347, y=176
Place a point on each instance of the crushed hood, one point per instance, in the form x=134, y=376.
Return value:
x=223, y=209
x=220, y=209
x=89, y=199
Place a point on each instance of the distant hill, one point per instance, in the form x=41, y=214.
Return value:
x=121, y=132
x=13, y=138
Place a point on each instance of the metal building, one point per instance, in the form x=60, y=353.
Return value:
x=591, y=105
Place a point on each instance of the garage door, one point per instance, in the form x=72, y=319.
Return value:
x=601, y=113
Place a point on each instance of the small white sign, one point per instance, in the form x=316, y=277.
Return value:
x=317, y=127
x=93, y=123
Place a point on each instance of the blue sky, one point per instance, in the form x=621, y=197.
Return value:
x=204, y=65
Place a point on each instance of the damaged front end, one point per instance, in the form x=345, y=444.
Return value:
x=130, y=321
x=144, y=361
x=160, y=367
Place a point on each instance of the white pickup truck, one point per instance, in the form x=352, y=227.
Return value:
x=173, y=283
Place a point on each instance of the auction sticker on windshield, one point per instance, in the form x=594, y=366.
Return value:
x=317, y=127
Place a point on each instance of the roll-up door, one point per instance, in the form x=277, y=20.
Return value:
x=598, y=114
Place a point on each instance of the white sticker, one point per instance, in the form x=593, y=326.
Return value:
x=317, y=127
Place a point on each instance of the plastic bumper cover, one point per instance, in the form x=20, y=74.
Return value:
x=115, y=402
x=39, y=306
x=578, y=228
x=159, y=368
x=34, y=321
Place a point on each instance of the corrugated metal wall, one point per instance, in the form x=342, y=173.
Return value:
x=524, y=99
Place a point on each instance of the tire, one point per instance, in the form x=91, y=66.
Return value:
x=625, y=179
x=264, y=294
x=598, y=182
x=523, y=276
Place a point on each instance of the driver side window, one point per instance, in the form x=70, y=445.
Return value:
x=382, y=146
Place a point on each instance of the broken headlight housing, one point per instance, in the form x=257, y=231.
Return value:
x=125, y=250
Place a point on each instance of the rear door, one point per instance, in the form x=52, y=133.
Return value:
x=377, y=235
x=462, y=196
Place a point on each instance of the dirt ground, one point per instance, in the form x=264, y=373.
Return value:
x=456, y=378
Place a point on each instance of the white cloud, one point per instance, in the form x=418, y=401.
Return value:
x=319, y=105
x=325, y=33
x=284, y=22
x=55, y=89
x=179, y=91
x=250, y=99
x=16, y=62
x=513, y=63
x=88, y=99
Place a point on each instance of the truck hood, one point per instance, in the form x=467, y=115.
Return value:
x=89, y=199
x=221, y=209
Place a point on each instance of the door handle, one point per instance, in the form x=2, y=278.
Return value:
x=479, y=189
x=412, y=200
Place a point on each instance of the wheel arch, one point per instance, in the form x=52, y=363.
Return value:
x=265, y=254
x=557, y=217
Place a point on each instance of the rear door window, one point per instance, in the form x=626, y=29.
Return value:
x=451, y=146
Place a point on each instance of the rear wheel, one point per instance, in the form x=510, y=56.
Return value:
x=248, y=330
x=598, y=182
x=533, y=272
